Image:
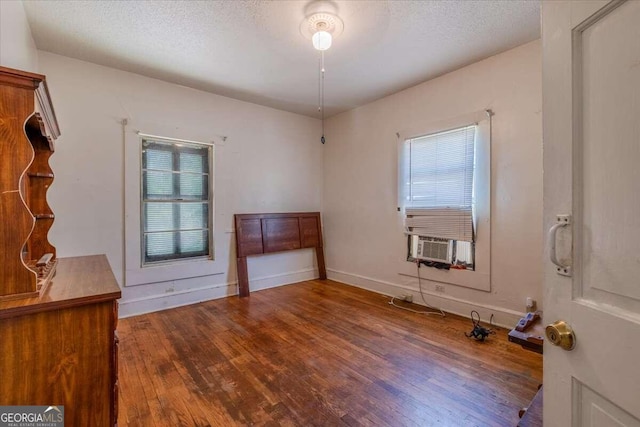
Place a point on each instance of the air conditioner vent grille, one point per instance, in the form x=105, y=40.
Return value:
x=434, y=249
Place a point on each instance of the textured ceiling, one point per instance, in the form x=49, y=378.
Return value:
x=254, y=51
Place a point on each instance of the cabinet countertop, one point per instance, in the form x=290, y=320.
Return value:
x=78, y=281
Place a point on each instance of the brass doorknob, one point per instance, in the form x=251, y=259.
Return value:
x=560, y=333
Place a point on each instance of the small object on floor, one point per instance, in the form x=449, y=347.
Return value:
x=528, y=320
x=532, y=337
x=478, y=332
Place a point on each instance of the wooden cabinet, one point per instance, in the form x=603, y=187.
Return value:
x=57, y=317
x=61, y=348
x=28, y=128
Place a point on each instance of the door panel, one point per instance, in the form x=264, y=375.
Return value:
x=591, y=134
x=596, y=411
x=609, y=49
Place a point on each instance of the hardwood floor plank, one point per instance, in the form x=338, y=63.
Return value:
x=317, y=353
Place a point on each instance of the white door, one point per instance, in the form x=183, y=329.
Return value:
x=591, y=110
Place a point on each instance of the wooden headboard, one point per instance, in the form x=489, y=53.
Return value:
x=265, y=233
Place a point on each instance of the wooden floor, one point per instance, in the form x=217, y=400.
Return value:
x=317, y=353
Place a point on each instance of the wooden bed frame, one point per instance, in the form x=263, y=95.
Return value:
x=264, y=233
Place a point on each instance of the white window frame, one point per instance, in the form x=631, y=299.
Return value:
x=480, y=277
x=135, y=272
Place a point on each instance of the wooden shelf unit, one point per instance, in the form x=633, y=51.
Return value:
x=28, y=129
x=57, y=319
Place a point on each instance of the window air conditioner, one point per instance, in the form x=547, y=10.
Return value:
x=434, y=249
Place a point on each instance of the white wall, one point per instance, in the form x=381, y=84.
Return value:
x=363, y=234
x=271, y=162
x=17, y=49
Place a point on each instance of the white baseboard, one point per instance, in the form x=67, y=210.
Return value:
x=164, y=301
x=501, y=316
x=267, y=282
x=133, y=307
x=158, y=302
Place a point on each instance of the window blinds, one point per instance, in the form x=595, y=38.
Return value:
x=175, y=200
x=438, y=184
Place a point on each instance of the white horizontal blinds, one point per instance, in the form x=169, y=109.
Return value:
x=175, y=204
x=439, y=190
x=452, y=224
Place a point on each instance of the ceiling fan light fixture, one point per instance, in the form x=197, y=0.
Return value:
x=321, y=25
x=321, y=22
x=321, y=40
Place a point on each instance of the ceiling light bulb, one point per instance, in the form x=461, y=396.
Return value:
x=321, y=40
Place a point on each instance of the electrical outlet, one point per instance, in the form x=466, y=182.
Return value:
x=440, y=288
x=530, y=304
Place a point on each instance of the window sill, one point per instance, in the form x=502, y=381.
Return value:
x=172, y=270
x=176, y=261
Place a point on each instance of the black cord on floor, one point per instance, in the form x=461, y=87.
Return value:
x=479, y=332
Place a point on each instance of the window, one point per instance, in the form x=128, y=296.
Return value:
x=438, y=196
x=441, y=167
x=176, y=206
